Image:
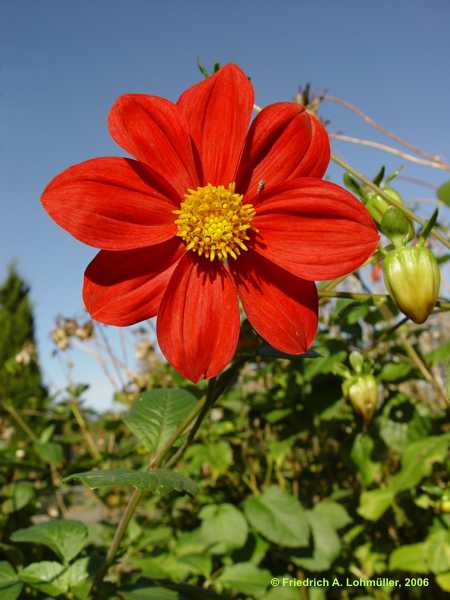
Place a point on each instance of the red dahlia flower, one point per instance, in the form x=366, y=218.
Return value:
x=210, y=211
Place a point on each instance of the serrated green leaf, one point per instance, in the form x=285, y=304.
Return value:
x=157, y=414
x=411, y=557
x=161, y=481
x=10, y=586
x=324, y=519
x=245, y=578
x=417, y=461
x=223, y=528
x=217, y=457
x=279, y=517
x=66, y=538
x=45, y=576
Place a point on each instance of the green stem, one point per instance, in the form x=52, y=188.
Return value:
x=137, y=494
x=211, y=397
x=215, y=388
x=84, y=430
x=18, y=419
x=353, y=295
x=409, y=213
x=417, y=361
x=362, y=296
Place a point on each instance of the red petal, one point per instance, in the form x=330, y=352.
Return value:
x=284, y=142
x=198, y=320
x=314, y=229
x=110, y=203
x=315, y=162
x=122, y=288
x=154, y=131
x=218, y=111
x=281, y=308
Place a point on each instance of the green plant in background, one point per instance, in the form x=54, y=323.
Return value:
x=20, y=377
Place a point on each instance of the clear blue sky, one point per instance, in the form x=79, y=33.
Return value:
x=62, y=64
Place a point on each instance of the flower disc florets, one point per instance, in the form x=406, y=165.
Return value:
x=214, y=222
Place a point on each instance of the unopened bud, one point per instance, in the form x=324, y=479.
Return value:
x=412, y=277
x=362, y=391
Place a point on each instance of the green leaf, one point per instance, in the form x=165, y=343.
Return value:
x=395, y=372
x=431, y=555
x=20, y=494
x=374, y=503
x=443, y=581
x=49, y=452
x=216, y=457
x=223, y=528
x=163, y=566
x=411, y=557
x=324, y=519
x=245, y=578
x=279, y=517
x=157, y=414
x=417, y=461
x=284, y=591
x=199, y=564
x=66, y=538
x=10, y=586
x=53, y=578
x=361, y=456
x=440, y=354
x=160, y=481
x=46, y=576
x=443, y=193
x=438, y=551
x=332, y=512
x=151, y=593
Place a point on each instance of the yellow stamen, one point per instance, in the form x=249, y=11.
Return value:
x=213, y=221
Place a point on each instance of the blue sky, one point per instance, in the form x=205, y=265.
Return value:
x=62, y=65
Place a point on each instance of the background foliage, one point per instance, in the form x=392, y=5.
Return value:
x=286, y=477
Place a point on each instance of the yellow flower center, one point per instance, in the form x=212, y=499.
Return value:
x=213, y=221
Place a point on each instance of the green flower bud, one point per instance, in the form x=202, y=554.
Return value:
x=362, y=391
x=412, y=277
x=377, y=206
